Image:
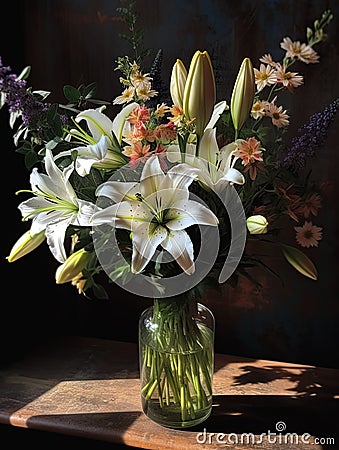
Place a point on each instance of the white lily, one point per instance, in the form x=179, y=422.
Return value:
x=218, y=109
x=54, y=206
x=157, y=210
x=102, y=146
x=216, y=166
x=174, y=154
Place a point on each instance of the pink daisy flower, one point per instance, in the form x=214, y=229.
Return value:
x=279, y=117
x=265, y=76
x=308, y=235
x=303, y=52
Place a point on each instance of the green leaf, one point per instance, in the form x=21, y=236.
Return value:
x=51, y=113
x=300, y=261
x=100, y=292
x=31, y=159
x=25, y=73
x=57, y=126
x=89, y=91
x=71, y=93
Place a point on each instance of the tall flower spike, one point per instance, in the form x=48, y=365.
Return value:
x=242, y=95
x=310, y=138
x=157, y=84
x=200, y=91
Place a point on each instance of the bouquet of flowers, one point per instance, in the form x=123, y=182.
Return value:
x=73, y=151
x=164, y=197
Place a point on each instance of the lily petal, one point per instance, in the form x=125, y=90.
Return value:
x=208, y=147
x=127, y=214
x=151, y=176
x=55, y=235
x=227, y=158
x=54, y=183
x=194, y=214
x=97, y=122
x=87, y=156
x=117, y=190
x=234, y=176
x=219, y=108
x=179, y=245
x=179, y=177
x=119, y=121
x=146, y=239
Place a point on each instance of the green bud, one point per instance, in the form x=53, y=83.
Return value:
x=73, y=265
x=300, y=261
x=200, y=91
x=257, y=224
x=242, y=95
x=309, y=33
x=25, y=244
x=177, y=84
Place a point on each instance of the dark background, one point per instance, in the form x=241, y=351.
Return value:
x=73, y=42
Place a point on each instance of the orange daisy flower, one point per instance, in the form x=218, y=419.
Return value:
x=248, y=150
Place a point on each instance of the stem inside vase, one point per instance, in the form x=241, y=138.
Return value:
x=176, y=349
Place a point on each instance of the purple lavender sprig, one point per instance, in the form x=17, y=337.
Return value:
x=310, y=137
x=20, y=99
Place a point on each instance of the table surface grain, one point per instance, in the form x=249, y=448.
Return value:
x=89, y=388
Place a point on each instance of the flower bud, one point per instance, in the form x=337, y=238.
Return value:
x=73, y=265
x=25, y=244
x=242, y=95
x=300, y=261
x=177, y=84
x=200, y=92
x=257, y=224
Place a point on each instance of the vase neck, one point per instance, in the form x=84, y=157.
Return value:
x=175, y=307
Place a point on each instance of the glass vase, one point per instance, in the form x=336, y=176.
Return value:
x=176, y=357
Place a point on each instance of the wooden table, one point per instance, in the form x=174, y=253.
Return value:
x=89, y=388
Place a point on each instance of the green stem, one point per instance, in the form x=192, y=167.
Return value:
x=177, y=366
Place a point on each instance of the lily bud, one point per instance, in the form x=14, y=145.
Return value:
x=178, y=81
x=73, y=265
x=25, y=244
x=200, y=91
x=242, y=95
x=300, y=261
x=257, y=224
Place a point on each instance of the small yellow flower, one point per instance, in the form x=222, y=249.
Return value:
x=79, y=282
